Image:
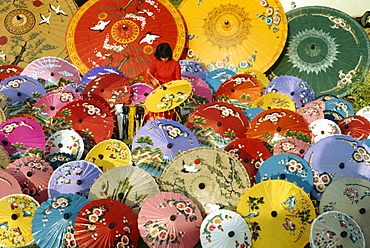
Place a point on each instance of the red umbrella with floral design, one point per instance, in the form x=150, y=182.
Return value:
x=170, y=219
x=33, y=175
x=90, y=118
x=272, y=125
x=356, y=126
x=111, y=88
x=106, y=223
x=251, y=153
x=218, y=123
x=9, y=71
x=123, y=34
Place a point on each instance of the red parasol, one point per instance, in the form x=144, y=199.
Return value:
x=218, y=123
x=123, y=34
x=356, y=126
x=90, y=118
x=51, y=102
x=111, y=88
x=240, y=88
x=7, y=71
x=272, y=125
x=106, y=223
x=170, y=219
x=252, y=153
x=33, y=176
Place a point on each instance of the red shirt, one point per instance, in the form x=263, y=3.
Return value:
x=166, y=71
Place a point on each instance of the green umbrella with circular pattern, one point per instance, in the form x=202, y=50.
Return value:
x=326, y=48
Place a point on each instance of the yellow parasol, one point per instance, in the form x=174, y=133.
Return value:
x=278, y=212
x=33, y=29
x=261, y=77
x=235, y=34
x=168, y=96
x=108, y=154
x=274, y=100
x=16, y=214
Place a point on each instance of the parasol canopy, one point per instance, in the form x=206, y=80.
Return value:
x=111, y=88
x=73, y=177
x=217, y=76
x=127, y=184
x=209, y=176
x=123, y=34
x=275, y=124
x=106, y=223
x=168, y=96
x=216, y=124
x=33, y=175
x=98, y=71
x=224, y=229
x=193, y=68
x=16, y=214
x=297, y=89
x=334, y=157
x=312, y=111
x=349, y=195
x=108, y=154
x=274, y=100
x=322, y=128
x=19, y=88
x=158, y=142
x=336, y=229
x=139, y=92
x=9, y=185
x=291, y=145
x=355, y=126
x=341, y=106
x=22, y=136
x=53, y=223
x=287, y=167
x=251, y=153
x=54, y=100
x=277, y=210
x=241, y=89
x=9, y=71
x=34, y=29
x=326, y=48
x=54, y=72
x=235, y=35
x=93, y=120
x=64, y=142
x=169, y=219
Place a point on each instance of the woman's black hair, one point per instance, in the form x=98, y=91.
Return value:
x=163, y=50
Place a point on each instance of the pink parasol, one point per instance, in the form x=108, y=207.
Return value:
x=33, y=176
x=8, y=184
x=21, y=135
x=51, y=102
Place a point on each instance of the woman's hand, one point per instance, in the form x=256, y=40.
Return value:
x=154, y=81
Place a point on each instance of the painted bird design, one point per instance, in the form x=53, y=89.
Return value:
x=291, y=201
x=188, y=168
x=100, y=26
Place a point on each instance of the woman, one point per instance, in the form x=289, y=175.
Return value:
x=164, y=68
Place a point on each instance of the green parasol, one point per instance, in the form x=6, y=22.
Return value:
x=326, y=48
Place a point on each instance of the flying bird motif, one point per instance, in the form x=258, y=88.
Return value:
x=100, y=26
x=2, y=55
x=45, y=19
x=57, y=10
x=189, y=168
x=149, y=38
x=291, y=201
